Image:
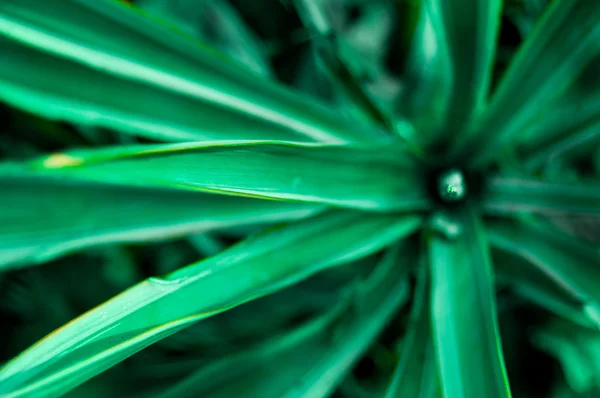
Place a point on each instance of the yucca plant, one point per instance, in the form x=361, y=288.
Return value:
x=370, y=185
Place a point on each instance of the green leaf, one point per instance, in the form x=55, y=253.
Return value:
x=565, y=41
x=572, y=264
x=423, y=98
x=577, y=349
x=317, y=355
x=535, y=286
x=41, y=217
x=330, y=47
x=568, y=127
x=465, y=325
x=416, y=374
x=216, y=23
x=159, y=307
x=337, y=175
x=255, y=367
x=526, y=194
x=106, y=47
x=466, y=33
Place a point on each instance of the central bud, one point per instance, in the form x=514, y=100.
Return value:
x=451, y=185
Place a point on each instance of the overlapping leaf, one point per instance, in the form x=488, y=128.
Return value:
x=572, y=264
x=565, y=41
x=416, y=372
x=318, y=355
x=159, y=307
x=149, y=63
x=42, y=217
x=366, y=178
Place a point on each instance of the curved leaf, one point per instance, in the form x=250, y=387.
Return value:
x=577, y=349
x=317, y=355
x=366, y=178
x=522, y=194
x=533, y=285
x=466, y=33
x=153, y=63
x=159, y=307
x=416, y=374
x=565, y=41
x=41, y=218
x=464, y=315
x=572, y=264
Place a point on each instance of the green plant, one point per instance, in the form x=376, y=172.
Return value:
x=369, y=193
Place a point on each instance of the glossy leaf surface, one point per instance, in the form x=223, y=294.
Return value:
x=159, y=307
x=470, y=358
x=77, y=36
x=366, y=178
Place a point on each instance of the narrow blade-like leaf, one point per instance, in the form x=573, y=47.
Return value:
x=466, y=33
x=416, y=372
x=41, y=218
x=526, y=194
x=366, y=178
x=159, y=307
x=464, y=316
x=108, y=42
x=565, y=41
x=572, y=264
x=536, y=287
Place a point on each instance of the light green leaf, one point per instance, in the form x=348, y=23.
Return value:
x=41, y=217
x=368, y=178
x=106, y=47
x=572, y=264
x=466, y=33
x=464, y=315
x=416, y=372
x=527, y=194
x=159, y=307
x=565, y=41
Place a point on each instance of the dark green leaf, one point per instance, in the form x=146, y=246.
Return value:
x=565, y=41
x=159, y=307
x=41, y=218
x=466, y=33
x=416, y=371
x=217, y=23
x=572, y=264
x=464, y=315
x=523, y=194
x=533, y=285
x=577, y=349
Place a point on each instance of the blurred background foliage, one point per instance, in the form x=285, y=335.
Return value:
x=384, y=45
